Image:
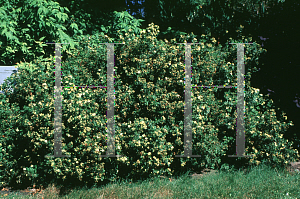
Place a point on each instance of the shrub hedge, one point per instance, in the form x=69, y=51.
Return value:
x=149, y=113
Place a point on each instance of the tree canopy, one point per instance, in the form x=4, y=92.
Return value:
x=220, y=19
x=26, y=25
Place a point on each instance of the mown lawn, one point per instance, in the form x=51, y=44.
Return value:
x=260, y=182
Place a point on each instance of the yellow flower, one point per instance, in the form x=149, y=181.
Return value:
x=268, y=135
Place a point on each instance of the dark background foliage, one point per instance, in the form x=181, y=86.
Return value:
x=278, y=75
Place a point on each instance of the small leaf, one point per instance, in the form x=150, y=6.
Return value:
x=64, y=17
x=121, y=15
x=74, y=26
x=40, y=10
x=65, y=9
x=45, y=11
x=25, y=30
x=24, y=49
x=4, y=31
x=58, y=16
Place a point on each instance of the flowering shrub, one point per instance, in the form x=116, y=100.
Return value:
x=149, y=113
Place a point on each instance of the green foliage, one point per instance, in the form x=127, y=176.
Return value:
x=121, y=24
x=24, y=24
x=149, y=107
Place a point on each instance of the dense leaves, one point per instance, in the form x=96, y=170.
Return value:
x=26, y=25
x=149, y=105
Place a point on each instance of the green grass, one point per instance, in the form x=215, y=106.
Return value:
x=259, y=182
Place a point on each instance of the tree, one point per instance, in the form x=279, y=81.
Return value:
x=281, y=61
x=220, y=19
x=91, y=14
x=95, y=16
x=26, y=25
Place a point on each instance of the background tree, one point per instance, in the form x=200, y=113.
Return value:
x=91, y=14
x=220, y=19
x=277, y=76
x=25, y=25
x=22, y=23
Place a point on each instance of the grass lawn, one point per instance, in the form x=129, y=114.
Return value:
x=260, y=182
